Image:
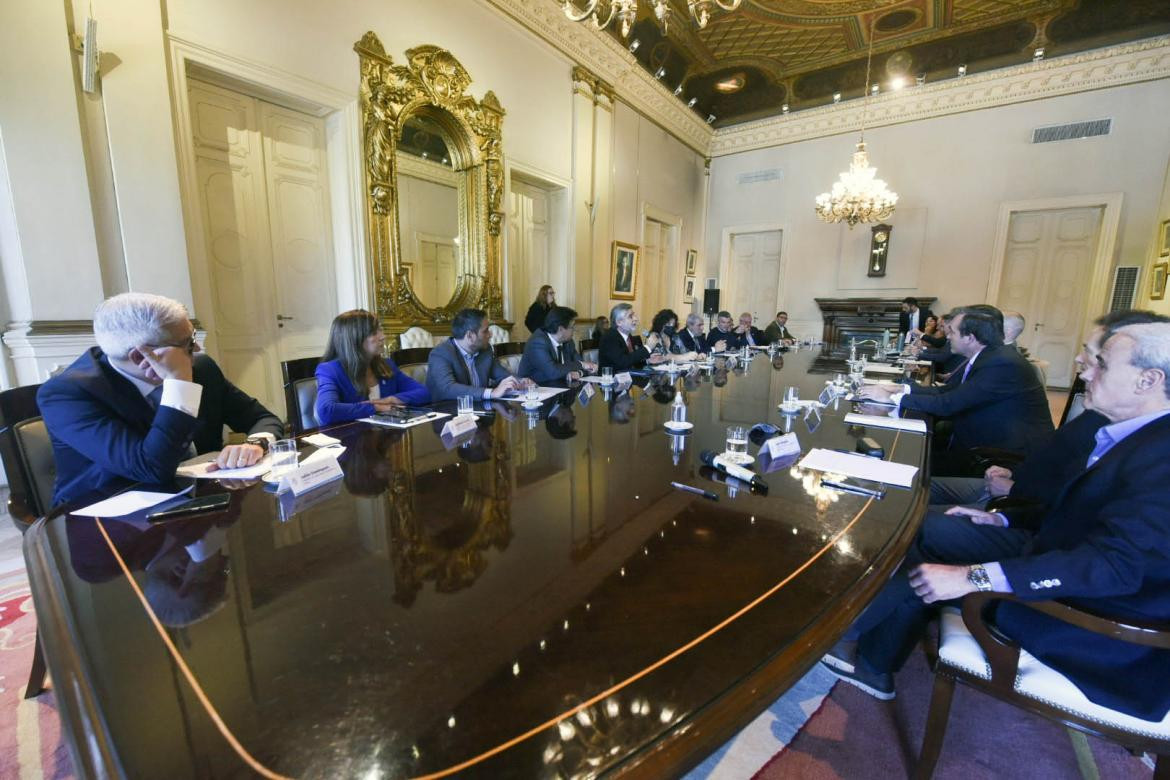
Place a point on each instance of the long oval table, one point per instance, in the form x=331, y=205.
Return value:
x=534, y=600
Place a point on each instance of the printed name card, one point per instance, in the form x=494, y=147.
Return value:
x=779, y=446
x=310, y=475
x=624, y=378
x=457, y=426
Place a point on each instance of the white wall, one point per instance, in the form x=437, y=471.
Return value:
x=951, y=174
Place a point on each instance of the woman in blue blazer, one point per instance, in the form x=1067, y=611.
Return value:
x=354, y=380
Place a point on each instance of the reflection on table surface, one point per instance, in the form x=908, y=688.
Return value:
x=451, y=598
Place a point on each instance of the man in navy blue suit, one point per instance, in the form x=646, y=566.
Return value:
x=1100, y=545
x=549, y=355
x=465, y=364
x=996, y=401
x=133, y=407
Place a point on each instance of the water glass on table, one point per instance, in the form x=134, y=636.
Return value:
x=283, y=456
x=737, y=441
x=465, y=405
x=607, y=374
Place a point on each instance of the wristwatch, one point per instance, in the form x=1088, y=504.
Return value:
x=259, y=441
x=978, y=576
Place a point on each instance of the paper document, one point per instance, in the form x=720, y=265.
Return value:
x=126, y=503
x=878, y=421
x=542, y=393
x=199, y=467
x=878, y=368
x=321, y=440
x=860, y=467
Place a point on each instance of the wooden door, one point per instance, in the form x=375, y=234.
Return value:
x=755, y=276
x=1048, y=258
x=528, y=249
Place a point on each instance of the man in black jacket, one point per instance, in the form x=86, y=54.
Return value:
x=722, y=337
x=912, y=317
x=549, y=355
x=690, y=338
x=621, y=349
x=998, y=400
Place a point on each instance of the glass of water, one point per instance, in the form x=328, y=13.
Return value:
x=283, y=455
x=607, y=374
x=466, y=405
x=737, y=441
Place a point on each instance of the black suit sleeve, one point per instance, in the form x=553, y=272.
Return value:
x=241, y=412
x=993, y=383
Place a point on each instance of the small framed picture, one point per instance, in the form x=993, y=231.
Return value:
x=689, y=290
x=623, y=272
x=1158, y=281
x=1164, y=240
x=692, y=261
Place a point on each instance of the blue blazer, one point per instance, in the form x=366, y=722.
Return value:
x=339, y=401
x=1103, y=547
x=539, y=362
x=106, y=436
x=447, y=376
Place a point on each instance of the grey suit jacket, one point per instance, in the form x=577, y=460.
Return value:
x=539, y=362
x=447, y=376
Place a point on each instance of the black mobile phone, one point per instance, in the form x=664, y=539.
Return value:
x=215, y=502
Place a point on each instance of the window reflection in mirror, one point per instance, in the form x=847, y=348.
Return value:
x=428, y=211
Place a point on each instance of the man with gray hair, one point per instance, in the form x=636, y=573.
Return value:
x=621, y=349
x=130, y=409
x=690, y=338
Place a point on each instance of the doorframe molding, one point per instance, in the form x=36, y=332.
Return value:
x=725, y=257
x=191, y=59
x=1109, y=202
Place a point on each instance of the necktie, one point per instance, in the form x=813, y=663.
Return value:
x=470, y=359
x=154, y=398
x=966, y=371
x=560, y=354
x=629, y=348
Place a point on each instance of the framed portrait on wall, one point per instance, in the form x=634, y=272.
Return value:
x=692, y=261
x=1164, y=240
x=1158, y=281
x=623, y=271
x=689, y=290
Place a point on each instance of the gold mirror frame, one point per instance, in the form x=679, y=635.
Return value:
x=431, y=84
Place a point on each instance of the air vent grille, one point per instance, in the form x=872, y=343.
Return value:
x=1069, y=132
x=1125, y=285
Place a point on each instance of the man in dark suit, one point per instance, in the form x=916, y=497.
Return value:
x=1099, y=546
x=465, y=364
x=130, y=409
x=690, y=338
x=997, y=400
x=620, y=348
x=722, y=337
x=777, y=330
x=749, y=333
x=912, y=318
x=549, y=355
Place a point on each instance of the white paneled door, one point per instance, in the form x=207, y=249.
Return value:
x=1047, y=261
x=528, y=251
x=264, y=199
x=754, y=270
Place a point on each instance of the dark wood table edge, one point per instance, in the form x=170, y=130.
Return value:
x=87, y=735
x=690, y=741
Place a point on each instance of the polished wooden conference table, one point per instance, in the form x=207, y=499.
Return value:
x=533, y=601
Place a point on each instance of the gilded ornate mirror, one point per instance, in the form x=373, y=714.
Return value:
x=434, y=180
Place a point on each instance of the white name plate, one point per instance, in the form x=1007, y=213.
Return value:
x=310, y=475
x=457, y=426
x=624, y=378
x=779, y=446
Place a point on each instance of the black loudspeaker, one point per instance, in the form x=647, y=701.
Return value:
x=711, y=301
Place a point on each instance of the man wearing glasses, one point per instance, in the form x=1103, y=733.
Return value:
x=132, y=408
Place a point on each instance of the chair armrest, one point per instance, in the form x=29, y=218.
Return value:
x=1004, y=655
x=994, y=456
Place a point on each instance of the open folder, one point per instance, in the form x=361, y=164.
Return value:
x=860, y=467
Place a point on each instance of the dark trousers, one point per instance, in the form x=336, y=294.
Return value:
x=893, y=623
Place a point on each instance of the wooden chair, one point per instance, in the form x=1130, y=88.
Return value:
x=588, y=344
x=416, y=337
x=972, y=652
x=413, y=362
x=300, y=394
x=509, y=354
x=27, y=455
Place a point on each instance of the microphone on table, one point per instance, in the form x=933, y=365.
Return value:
x=709, y=458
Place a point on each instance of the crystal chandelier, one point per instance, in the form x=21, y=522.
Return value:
x=858, y=196
x=602, y=12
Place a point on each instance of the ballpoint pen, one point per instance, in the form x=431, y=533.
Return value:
x=857, y=489
x=697, y=491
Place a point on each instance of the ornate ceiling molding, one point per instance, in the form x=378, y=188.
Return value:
x=613, y=64
x=1097, y=69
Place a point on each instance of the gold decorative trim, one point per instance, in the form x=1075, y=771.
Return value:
x=1098, y=69
x=434, y=84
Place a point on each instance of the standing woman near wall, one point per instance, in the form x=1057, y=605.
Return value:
x=545, y=300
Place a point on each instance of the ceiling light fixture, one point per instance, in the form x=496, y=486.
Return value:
x=962, y=71
x=858, y=196
x=691, y=102
x=1038, y=54
x=710, y=118
x=602, y=12
x=836, y=97
x=660, y=73
x=896, y=83
x=784, y=108
x=678, y=90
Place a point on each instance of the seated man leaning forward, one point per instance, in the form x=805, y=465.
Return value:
x=1100, y=546
x=129, y=409
x=354, y=380
x=549, y=355
x=621, y=349
x=465, y=364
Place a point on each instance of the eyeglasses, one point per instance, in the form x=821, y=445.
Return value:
x=188, y=344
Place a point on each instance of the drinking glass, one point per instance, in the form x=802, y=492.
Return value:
x=678, y=413
x=531, y=396
x=607, y=374
x=466, y=405
x=283, y=454
x=737, y=441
